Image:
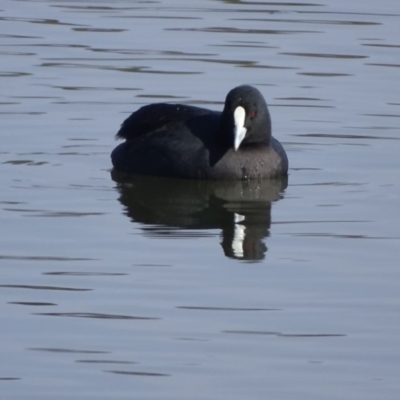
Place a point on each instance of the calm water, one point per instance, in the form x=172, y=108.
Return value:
x=140, y=288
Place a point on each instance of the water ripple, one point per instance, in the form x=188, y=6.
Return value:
x=138, y=373
x=288, y=335
x=95, y=315
x=204, y=308
x=64, y=350
x=43, y=287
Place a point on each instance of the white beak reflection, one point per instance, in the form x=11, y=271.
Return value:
x=238, y=236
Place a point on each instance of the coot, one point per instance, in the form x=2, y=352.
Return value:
x=181, y=141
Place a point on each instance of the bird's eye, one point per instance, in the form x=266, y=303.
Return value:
x=252, y=114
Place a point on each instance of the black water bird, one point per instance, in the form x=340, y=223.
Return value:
x=181, y=141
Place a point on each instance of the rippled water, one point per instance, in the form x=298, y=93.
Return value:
x=129, y=287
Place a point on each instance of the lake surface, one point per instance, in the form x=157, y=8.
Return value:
x=142, y=288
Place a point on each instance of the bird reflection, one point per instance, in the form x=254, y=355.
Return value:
x=240, y=209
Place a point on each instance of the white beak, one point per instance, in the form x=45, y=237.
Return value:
x=239, y=117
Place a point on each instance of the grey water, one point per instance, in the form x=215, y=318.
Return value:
x=129, y=287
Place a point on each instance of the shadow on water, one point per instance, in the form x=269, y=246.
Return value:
x=166, y=208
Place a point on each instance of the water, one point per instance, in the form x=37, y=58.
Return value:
x=117, y=287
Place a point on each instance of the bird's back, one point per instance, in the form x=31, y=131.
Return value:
x=167, y=140
x=156, y=116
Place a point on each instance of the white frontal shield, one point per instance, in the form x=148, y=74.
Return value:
x=239, y=117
